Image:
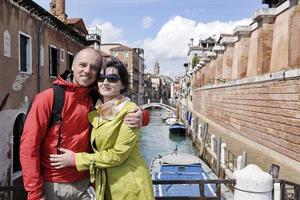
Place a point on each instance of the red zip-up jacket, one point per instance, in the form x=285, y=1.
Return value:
x=38, y=141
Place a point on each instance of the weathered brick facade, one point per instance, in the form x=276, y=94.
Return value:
x=267, y=113
x=259, y=97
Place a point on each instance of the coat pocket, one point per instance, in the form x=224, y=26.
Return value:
x=122, y=181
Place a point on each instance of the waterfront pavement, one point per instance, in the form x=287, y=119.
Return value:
x=256, y=153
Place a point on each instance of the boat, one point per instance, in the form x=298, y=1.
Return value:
x=171, y=120
x=177, y=129
x=166, y=116
x=182, y=166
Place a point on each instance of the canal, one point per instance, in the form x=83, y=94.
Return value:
x=155, y=138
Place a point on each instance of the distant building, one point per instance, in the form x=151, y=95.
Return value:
x=175, y=89
x=147, y=85
x=157, y=87
x=133, y=59
x=156, y=68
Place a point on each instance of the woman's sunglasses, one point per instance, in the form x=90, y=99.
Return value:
x=111, y=78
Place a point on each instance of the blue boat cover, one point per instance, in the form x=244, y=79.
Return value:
x=182, y=172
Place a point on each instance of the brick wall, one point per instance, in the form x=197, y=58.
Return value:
x=268, y=113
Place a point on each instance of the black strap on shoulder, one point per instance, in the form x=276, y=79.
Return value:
x=58, y=103
x=94, y=94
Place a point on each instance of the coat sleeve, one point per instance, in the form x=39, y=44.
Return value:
x=125, y=143
x=34, y=131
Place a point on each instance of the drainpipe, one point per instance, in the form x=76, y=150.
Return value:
x=40, y=30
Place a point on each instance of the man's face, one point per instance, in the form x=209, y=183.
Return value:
x=85, y=67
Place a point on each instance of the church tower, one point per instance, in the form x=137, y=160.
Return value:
x=156, y=68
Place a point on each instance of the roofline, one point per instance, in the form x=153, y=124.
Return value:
x=35, y=9
x=111, y=44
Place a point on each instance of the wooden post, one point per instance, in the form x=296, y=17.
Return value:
x=177, y=111
x=277, y=191
x=199, y=131
x=282, y=191
x=201, y=189
x=205, y=133
x=218, y=156
x=223, y=153
x=297, y=193
x=212, y=143
x=238, y=163
x=244, y=160
x=218, y=191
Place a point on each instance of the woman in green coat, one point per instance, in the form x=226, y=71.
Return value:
x=116, y=167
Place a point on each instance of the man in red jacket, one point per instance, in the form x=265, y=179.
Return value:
x=39, y=140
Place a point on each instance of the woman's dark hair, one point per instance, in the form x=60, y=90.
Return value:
x=121, y=70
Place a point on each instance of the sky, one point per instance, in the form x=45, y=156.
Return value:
x=163, y=28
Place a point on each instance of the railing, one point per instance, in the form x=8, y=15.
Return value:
x=209, y=146
x=288, y=190
x=201, y=183
x=231, y=160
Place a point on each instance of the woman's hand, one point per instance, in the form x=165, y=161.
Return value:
x=65, y=159
x=134, y=119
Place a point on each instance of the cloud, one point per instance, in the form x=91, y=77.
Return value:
x=170, y=45
x=109, y=33
x=147, y=22
x=171, y=42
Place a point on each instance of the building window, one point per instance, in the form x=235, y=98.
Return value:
x=126, y=54
x=53, y=61
x=25, y=53
x=62, y=55
x=115, y=53
x=70, y=58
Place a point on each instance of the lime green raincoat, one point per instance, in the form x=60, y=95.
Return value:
x=116, y=167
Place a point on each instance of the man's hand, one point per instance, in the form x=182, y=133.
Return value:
x=134, y=118
x=66, y=159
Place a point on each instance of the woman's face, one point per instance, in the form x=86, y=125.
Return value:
x=110, y=84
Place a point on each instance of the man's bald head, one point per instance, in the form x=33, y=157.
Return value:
x=89, y=50
x=85, y=66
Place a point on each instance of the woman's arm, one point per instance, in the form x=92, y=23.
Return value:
x=125, y=143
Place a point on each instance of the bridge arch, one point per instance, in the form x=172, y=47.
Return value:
x=159, y=105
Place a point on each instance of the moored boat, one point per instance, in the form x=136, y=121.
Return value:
x=181, y=166
x=177, y=128
x=170, y=120
x=165, y=116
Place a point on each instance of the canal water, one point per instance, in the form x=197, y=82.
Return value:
x=155, y=138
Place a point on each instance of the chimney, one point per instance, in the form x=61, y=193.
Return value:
x=57, y=8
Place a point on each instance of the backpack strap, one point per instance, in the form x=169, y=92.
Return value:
x=58, y=102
